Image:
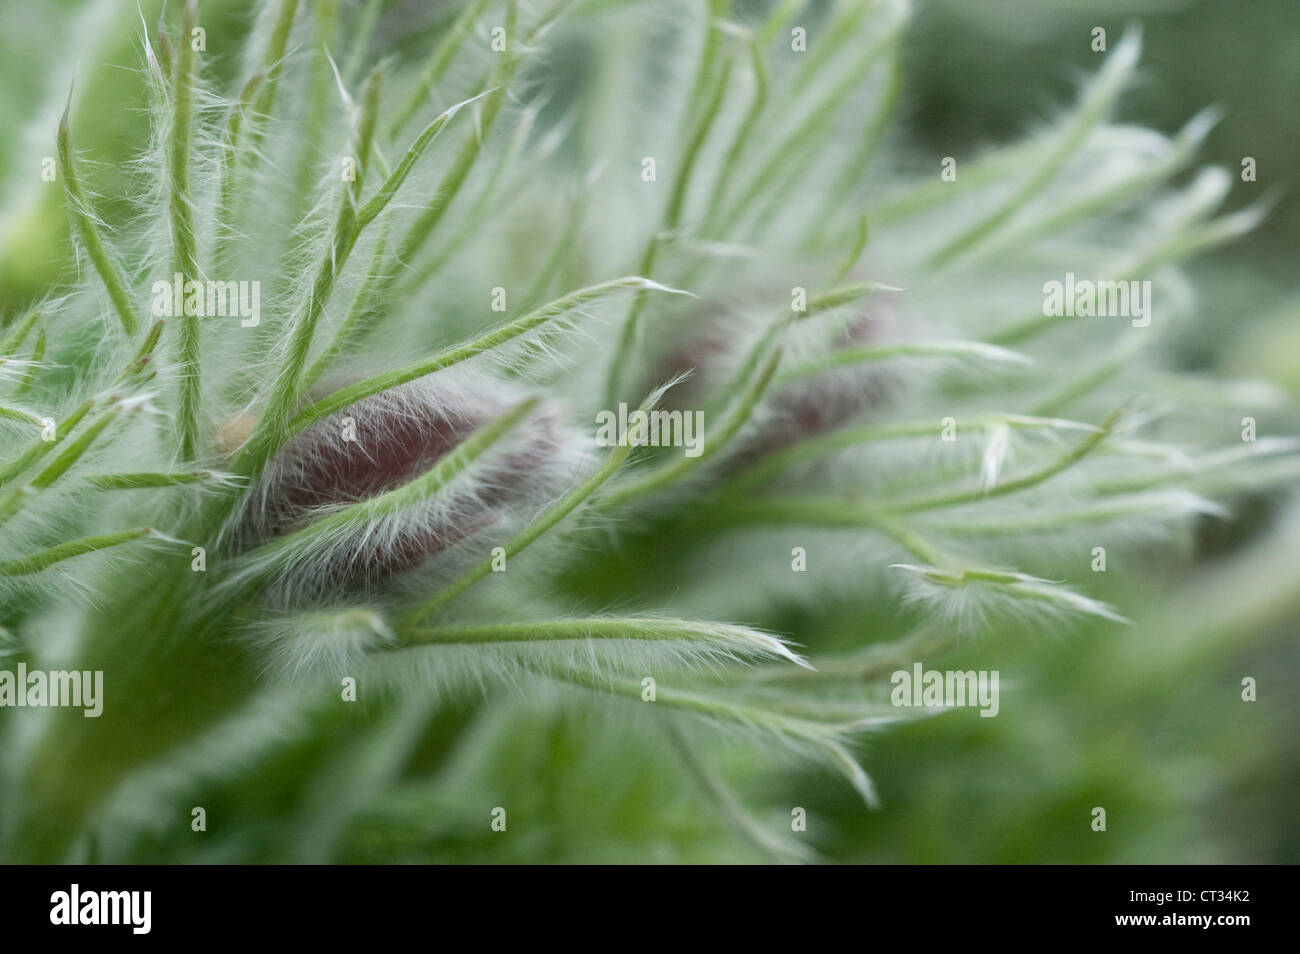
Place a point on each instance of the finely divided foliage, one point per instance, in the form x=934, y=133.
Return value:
x=384, y=487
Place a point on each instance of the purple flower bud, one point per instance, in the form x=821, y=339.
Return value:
x=800, y=410
x=387, y=440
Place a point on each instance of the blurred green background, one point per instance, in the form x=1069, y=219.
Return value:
x=1147, y=722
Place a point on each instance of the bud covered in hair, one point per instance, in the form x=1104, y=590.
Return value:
x=384, y=442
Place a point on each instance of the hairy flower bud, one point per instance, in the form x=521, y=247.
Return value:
x=796, y=411
x=384, y=442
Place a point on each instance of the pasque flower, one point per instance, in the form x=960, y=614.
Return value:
x=382, y=488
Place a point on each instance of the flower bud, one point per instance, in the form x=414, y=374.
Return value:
x=802, y=409
x=385, y=441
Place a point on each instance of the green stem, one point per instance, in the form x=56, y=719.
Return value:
x=361, y=37
x=906, y=349
x=740, y=142
x=463, y=352
x=13, y=341
x=230, y=160
x=87, y=229
x=13, y=501
x=273, y=66
x=351, y=326
x=65, y=551
x=18, y=414
x=1096, y=104
x=439, y=61
x=184, y=253
x=137, y=481
x=29, y=378
x=672, y=218
x=455, y=178
x=684, y=465
x=42, y=447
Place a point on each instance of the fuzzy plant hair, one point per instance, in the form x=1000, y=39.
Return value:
x=305, y=460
